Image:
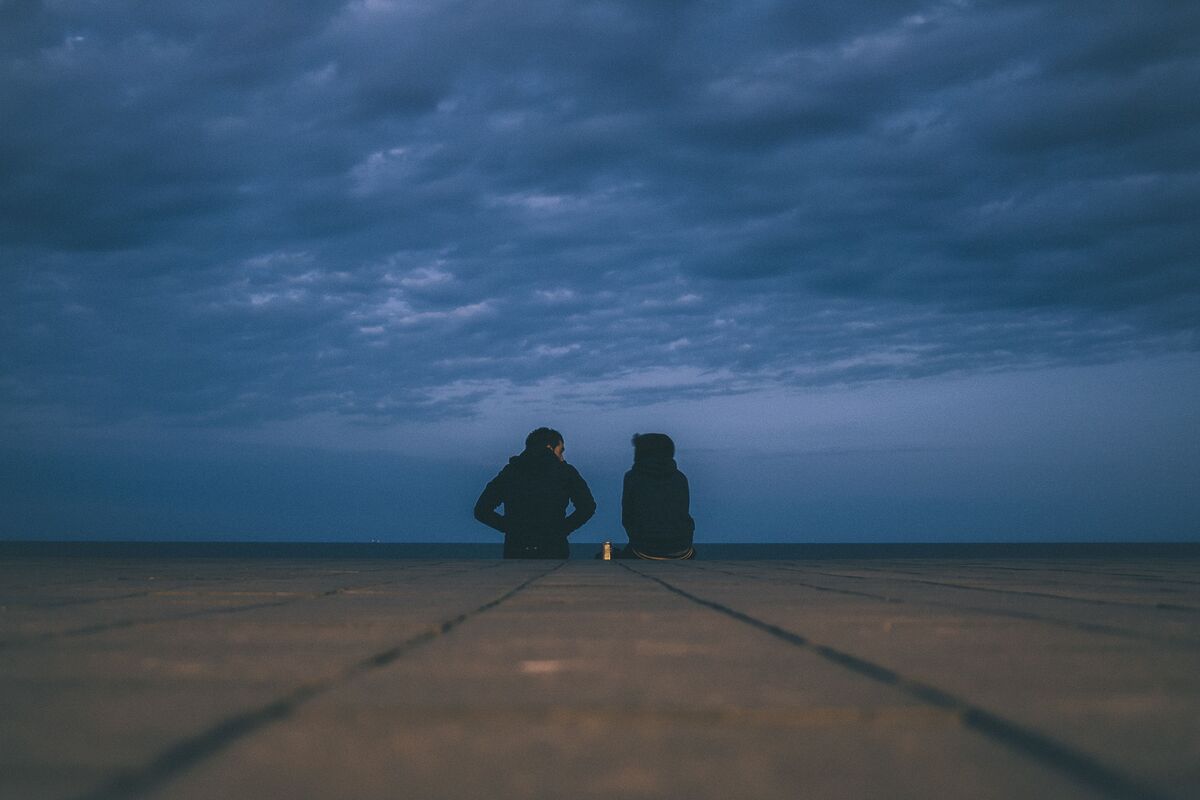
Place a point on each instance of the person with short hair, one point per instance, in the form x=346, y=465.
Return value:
x=535, y=488
x=654, y=503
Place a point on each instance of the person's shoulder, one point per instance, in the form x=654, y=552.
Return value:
x=574, y=476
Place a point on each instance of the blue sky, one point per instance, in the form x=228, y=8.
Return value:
x=905, y=271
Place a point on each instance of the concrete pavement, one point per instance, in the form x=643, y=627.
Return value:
x=201, y=678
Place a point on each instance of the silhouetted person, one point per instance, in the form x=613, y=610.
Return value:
x=654, y=503
x=535, y=488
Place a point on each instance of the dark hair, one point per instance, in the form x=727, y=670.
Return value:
x=543, y=437
x=652, y=445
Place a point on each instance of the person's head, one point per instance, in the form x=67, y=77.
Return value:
x=652, y=445
x=548, y=438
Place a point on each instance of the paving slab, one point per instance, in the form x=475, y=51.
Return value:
x=200, y=678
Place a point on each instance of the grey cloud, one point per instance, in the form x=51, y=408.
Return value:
x=221, y=214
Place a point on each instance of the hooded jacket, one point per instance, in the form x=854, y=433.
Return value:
x=654, y=506
x=535, y=488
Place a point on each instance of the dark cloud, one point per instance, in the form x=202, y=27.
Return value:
x=223, y=213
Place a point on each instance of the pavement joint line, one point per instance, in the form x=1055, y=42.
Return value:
x=1095, y=573
x=82, y=601
x=869, y=595
x=1048, y=595
x=1050, y=752
x=189, y=752
x=925, y=715
x=1161, y=568
x=104, y=627
x=1087, y=627
x=1137, y=576
x=193, y=584
x=1159, y=583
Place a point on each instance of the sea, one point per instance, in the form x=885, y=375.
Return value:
x=723, y=551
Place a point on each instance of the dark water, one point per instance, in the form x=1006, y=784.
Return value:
x=706, y=551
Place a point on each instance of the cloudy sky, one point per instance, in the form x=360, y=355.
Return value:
x=886, y=270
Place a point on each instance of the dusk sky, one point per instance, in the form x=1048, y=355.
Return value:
x=886, y=271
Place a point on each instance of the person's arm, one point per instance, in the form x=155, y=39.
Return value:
x=689, y=524
x=485, y=506
x=627, y=504
x=581, y=498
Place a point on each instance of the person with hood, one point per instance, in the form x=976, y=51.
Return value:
x=654, y=504
x=535, y=488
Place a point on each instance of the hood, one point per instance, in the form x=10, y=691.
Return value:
x=537, y=460
x=658, y=465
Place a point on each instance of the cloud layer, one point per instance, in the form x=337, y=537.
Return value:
x=227, y=213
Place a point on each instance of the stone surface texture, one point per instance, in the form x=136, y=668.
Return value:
x=310, y=678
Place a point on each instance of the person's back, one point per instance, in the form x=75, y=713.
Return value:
x=535, y=488
x=655, y=501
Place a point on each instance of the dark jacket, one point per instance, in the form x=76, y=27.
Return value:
x=654, y=507
x=535, y=488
